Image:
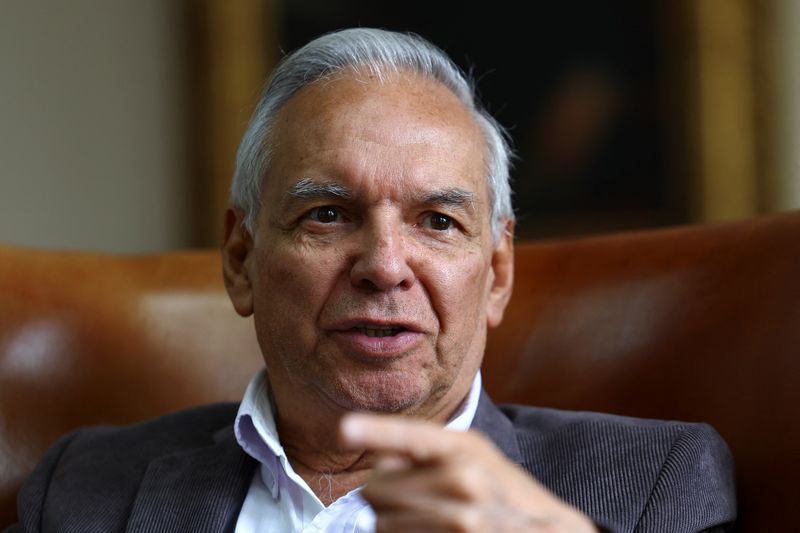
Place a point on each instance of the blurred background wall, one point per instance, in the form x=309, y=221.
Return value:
x=92, y=136
x=119, y=119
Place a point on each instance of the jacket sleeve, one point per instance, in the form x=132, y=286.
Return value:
x=695, y=489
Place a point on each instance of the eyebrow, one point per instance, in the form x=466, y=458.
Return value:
x=458, y=198
x=310, y=188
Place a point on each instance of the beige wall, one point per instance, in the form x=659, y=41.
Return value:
x=92, y=147
x=785, y=149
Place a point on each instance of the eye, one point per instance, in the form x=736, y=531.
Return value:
x=438, y=222
x=324, y=214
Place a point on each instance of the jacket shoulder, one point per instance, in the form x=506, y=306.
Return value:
x=629, y=473
x=111, y=460
x=194, y=426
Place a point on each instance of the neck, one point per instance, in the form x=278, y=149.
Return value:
x=317, y=456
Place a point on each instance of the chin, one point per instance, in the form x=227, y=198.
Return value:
x=381, y=392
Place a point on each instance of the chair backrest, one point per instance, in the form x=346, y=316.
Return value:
x=90, y=339
x=693, y=323
x=698, y=323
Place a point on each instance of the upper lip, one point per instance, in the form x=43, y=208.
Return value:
x=352, y=323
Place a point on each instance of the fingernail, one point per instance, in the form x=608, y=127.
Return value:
x=391, y=463
x=352, y=427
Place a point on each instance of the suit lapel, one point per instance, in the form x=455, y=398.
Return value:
x=490, y=421
x=197, y=490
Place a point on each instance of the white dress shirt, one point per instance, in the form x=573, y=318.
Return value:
x=279, y=500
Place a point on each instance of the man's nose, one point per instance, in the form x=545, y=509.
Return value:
x=381, y=261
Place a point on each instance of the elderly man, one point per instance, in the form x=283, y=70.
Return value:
x=371, y=236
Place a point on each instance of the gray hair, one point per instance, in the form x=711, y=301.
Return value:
x=381, y=52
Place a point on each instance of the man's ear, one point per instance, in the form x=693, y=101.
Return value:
x=237, y=248
x=503, y=270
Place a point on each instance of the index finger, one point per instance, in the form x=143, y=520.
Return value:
x=421, y=441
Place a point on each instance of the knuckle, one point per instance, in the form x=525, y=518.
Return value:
x=465, y=482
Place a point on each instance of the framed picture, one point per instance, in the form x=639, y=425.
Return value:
x=577, y=84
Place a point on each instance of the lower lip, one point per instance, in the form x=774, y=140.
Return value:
x=357, y=343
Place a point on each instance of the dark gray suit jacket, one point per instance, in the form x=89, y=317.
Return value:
x=185, y=471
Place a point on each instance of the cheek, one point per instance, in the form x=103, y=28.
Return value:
x=461, y=292
x=293, y=284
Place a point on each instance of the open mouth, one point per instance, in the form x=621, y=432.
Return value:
x=371, y=340
x=380, y=331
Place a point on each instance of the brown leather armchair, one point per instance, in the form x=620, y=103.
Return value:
x=696, y=323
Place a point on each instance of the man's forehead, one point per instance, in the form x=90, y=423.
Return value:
x=404, y=96
x=369, y=140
